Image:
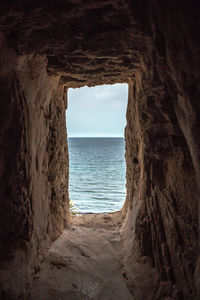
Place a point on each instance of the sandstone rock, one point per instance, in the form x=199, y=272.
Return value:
x=47, y=47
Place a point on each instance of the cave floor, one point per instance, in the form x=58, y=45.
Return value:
x=84, y=262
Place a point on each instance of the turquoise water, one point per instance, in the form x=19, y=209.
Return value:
x=97, y=174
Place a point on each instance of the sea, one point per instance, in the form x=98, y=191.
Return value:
x=97, y=174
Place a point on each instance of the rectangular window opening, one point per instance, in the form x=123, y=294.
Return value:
x=96, y=118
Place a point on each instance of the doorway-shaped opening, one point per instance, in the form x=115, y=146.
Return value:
x=96, y=118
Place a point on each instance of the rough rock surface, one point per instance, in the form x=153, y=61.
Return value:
x=162, y=198
x=84, y=263
x=49, y=46
x=34, y=189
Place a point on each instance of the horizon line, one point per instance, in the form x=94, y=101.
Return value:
x=96, y=136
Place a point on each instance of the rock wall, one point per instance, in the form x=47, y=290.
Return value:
x=34, y=191
x=161, y=224
x=161, y=230
x=152, y=44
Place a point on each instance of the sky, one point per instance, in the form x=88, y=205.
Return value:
x=98, y=111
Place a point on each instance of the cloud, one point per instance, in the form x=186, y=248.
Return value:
x=97, y=111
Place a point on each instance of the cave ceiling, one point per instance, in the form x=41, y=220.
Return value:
x=85, y=42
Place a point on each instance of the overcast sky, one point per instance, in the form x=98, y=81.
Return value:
x=98, y=111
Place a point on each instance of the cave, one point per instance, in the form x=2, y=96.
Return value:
x=47, y=47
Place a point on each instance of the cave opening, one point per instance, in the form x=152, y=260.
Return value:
x=96, y=119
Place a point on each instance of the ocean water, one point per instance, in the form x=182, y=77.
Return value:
x=97, y=174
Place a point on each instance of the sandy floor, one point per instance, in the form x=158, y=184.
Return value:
x=84, y=263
